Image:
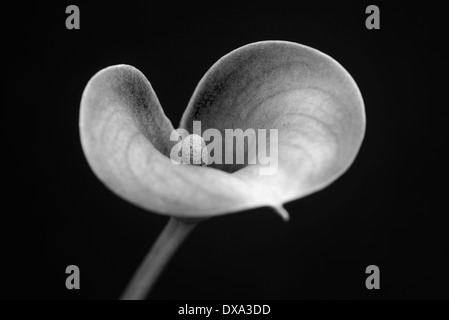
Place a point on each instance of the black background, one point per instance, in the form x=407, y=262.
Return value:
x=383, y=211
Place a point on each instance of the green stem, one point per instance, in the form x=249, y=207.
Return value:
x=163, y=249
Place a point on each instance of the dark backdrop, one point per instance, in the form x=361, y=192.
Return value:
x=382, y=211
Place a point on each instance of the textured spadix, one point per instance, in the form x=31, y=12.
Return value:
x=305, y=94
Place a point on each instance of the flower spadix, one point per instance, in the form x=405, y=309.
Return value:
x=194, y=150
x=306, y=95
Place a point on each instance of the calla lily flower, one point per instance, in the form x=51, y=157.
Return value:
x=308, y=97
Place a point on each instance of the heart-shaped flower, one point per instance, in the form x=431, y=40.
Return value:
x=310, y=99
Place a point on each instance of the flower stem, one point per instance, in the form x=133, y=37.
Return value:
x=163, y=249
